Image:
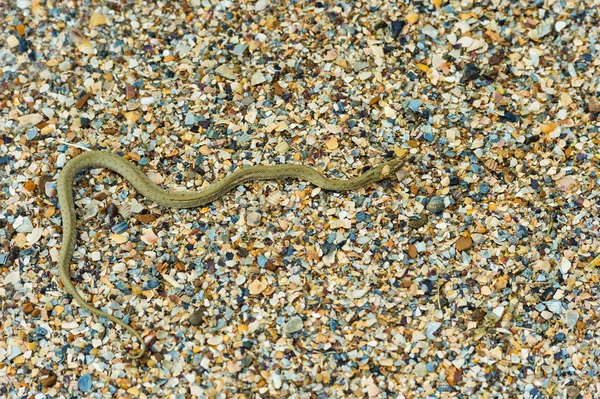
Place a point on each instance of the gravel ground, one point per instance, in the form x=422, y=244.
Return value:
x=472, y=273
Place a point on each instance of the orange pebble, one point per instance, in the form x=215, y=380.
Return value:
x=21, y=29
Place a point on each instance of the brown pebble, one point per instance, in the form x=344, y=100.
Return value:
x=48, y=381
x=463, y=243
x=101, y=196
x=28, y=308
x=594, y=105
x=454, y=376
x=573, y=391
x=412, y=251
x=145, y=217
x=112, y=210
x=278, y=90
x=30, y=185
x=419, y=222
x=21, y=29
x=82, y=101
x=478, y=314
x=197, y=317
x=130, y=91
x=36, y=312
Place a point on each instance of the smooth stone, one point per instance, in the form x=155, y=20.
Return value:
x=253, y=219
x=84, y=383
x=197, y=317
x=293, y=325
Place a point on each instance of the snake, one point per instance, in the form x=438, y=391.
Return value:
x=179, y=199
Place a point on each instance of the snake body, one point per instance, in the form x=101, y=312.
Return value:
x=179, y=199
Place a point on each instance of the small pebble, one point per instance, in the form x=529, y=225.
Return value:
x=197, y=317
x=471, y=71
x=253, y=219
x=463, y=243
x=84, y=383
x=293, y=325
x=224, y=71
x=436, y=205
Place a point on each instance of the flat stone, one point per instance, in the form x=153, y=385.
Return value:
x=293, y=325
x=594, y=105
x=197, y=317
x=253, y=219
x=226, y=72
x=463, y=243
x=257, y=78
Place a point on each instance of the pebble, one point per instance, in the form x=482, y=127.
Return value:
x=396, y=28
x=49, y=381
x=256, y=287
x=331, y=144
x=225, y=71
x=12, y=278
x=23, y=225
x=31, y=133
x=282, y=147
x=293, y=325
x=436, y=205
x=463, y=243
x=571, y=317
x=253, y=219
x=415, y=104
x=430, y=31
x=197, y=317
x=471, y=71
x=258, y=78
x=594, y=105
x=84, y=383
x=31, y=119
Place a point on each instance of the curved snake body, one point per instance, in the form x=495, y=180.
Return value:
x=179, y=199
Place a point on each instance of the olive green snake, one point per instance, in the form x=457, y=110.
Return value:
x=179, y=199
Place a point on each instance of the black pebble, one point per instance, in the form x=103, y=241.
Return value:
x=112, y=210
x=471, y=72
x=22, y=46
x=396, y=28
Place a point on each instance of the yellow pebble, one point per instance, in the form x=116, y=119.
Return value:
x=412, y=18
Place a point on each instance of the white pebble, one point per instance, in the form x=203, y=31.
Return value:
x=257, y=78
x=215, y=340
x=421, y=247
x=69, y=325
x=23, y=4
x=253, y=219
x=61, y=160
x=225, y=71
x=565, y=265
x=12, y=278
x=260, y=5
x=571, y=317
x=31, y=119
x=560, y=25
x=22, y=225
x=147, y=100
x=35, y=235
x=430, y=328
x=293, y=325
x=277, y=383
x=119, y=267
x=430, y=31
